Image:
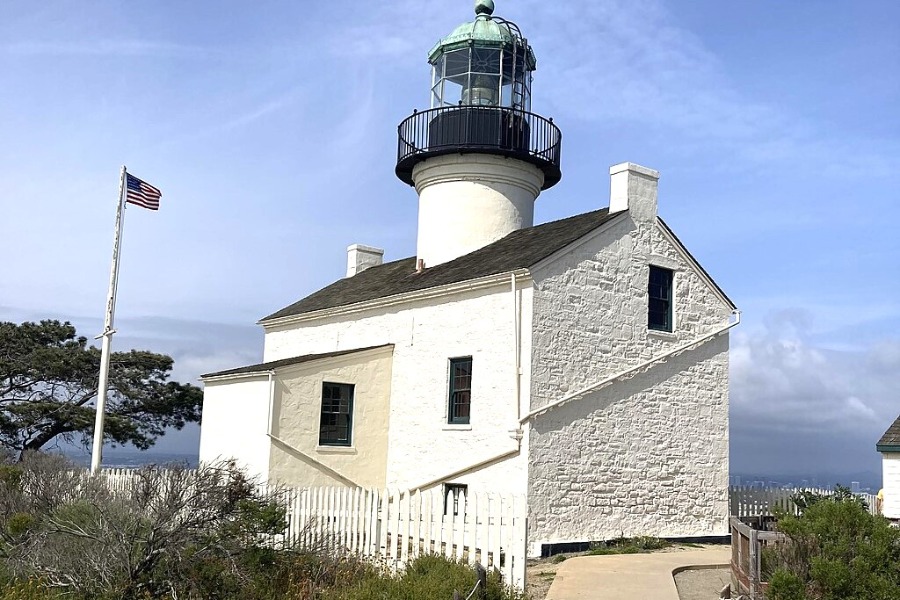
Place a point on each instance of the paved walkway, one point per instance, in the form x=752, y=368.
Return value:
x=629, y=576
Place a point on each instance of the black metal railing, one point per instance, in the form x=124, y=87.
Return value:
x=485, y=129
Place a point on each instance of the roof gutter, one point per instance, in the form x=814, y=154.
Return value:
x=631, y=372
x=887, y=447
x=235, y=376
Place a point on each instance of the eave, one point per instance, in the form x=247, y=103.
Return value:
x=397, y=299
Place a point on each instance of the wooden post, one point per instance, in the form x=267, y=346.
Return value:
x=481, y=585
x=754, y=564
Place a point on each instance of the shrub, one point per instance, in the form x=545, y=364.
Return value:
x=836, y=550
x=173, y=533
x=426, y=578
x=165, y=534
x=628, y=545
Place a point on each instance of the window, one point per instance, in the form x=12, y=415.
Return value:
x=460, y=390
x=336, y=423
x=452, y=493
x=659, y=314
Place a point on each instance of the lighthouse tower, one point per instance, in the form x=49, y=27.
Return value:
x=478, y=157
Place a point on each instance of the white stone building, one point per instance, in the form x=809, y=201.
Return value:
x=889, y=446
x=581, y=362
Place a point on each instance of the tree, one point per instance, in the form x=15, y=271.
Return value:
x=48, y=386
x=835, y=550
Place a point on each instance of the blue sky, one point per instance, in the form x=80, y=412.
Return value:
x=271, y=129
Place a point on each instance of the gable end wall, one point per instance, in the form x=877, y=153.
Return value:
x=645, y=456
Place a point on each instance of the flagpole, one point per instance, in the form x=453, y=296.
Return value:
x=108, y=331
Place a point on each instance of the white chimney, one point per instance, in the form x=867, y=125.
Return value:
x=633, y=188
x=360, y=258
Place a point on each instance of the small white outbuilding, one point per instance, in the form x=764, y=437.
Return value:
x=889, y=446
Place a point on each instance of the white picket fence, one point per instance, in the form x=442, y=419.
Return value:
x=396, y=526
x=747, y=501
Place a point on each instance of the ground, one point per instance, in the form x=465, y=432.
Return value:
x=701, y=584
x=696, y=584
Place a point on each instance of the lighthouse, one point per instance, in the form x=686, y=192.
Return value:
x=478, y=157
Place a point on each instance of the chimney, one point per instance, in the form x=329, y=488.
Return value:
x=360, y=258
x=633, y=188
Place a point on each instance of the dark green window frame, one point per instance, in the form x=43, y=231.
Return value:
x=336, y=417
x=659, y=289
x=460, y=402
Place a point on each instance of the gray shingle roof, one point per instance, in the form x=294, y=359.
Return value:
x=296, y=360
x=890, y=441
x=518, y=250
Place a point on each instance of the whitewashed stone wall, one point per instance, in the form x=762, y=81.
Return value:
x=426, y=334
x=890, y=462
x=296, y=458
x=236, y=422
x=648, y=456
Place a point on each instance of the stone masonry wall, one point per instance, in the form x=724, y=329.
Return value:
x=645, y=456
x=426, y=334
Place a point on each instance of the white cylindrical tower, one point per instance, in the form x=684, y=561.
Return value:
x=478, y=157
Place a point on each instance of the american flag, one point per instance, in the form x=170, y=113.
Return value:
x=141, y=193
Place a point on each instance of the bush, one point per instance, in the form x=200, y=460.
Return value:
x=835, y=550
x=77, y=534
x=634, y=545
x=426, y=578
x=173, y=533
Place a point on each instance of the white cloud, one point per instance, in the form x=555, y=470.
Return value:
x=630, y=62
x=786, y=388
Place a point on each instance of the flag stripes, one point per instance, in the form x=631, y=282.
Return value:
x=141, y=193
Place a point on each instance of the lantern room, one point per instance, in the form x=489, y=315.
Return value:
x=481, y=101
x=483, y=63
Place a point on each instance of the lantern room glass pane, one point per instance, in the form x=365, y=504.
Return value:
x=479, y=76
x=451, y=94
x=486, y=60
x=456, y=64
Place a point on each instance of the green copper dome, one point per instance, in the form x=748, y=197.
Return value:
x=483, y=32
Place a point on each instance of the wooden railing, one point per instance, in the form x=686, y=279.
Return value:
x=747, y=544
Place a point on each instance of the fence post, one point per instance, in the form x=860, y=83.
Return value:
x=482, y=581
x=754, y=564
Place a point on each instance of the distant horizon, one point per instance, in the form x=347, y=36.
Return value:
x=132, y=457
